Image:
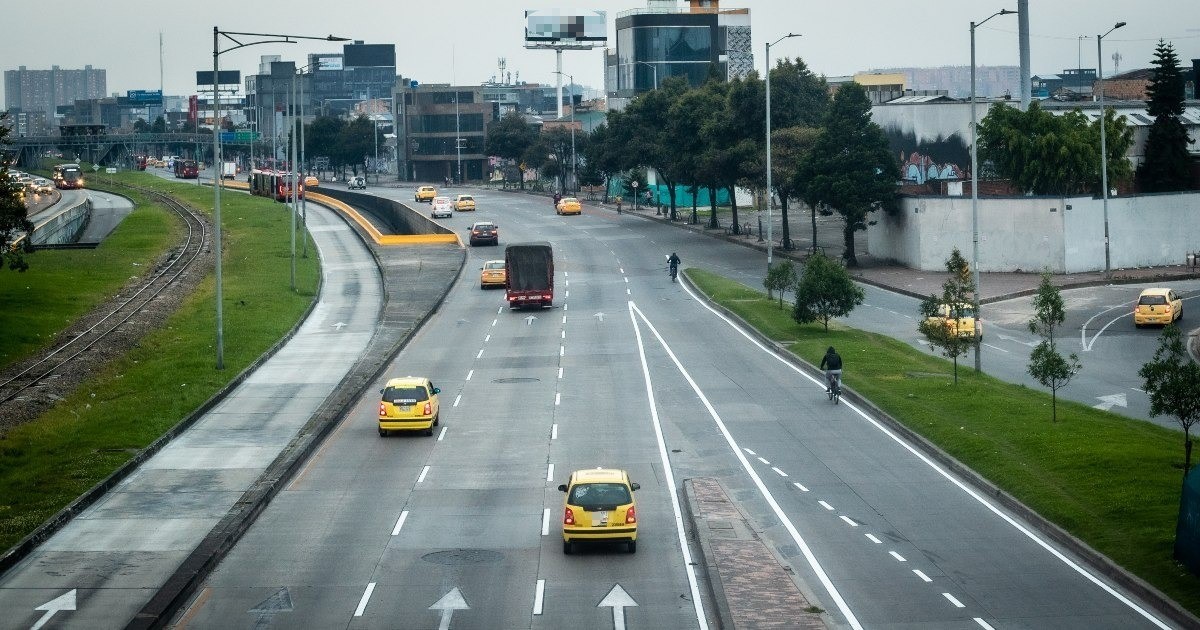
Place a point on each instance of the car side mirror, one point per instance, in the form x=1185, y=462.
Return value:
x=381, y=391
x=437, y=390
x=562, y=487
x=635, y=485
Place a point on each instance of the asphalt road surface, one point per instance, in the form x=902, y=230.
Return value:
x=628, y=370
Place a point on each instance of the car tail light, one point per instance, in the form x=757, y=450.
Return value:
x=568, y=517
x=428, y=408
x=631, y=515
x=382, y=408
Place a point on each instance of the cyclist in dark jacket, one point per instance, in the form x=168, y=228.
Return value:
x=832, y=364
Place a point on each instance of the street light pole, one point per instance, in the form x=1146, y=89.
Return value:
x=975, y=188
x=1104, y=146
x=770, y=243
x=295, y=189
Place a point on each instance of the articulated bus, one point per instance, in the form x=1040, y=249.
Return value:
x=187, y=169
x=274, y=184
x=68, y=176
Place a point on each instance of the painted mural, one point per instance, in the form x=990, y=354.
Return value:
x=921, y=161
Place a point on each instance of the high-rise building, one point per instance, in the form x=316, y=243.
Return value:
x=43, y=90
x=441, y=131
x=668, y=40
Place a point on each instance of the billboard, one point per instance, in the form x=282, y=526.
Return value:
x=144, y=97
x=368, y=55
x=554, y=27
x=329, y=63
x=226, y=77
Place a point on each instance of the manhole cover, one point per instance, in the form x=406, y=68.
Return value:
x=460, y=557
x=519, y=379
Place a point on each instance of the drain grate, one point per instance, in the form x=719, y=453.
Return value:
x=517, y=379
x=461, y=557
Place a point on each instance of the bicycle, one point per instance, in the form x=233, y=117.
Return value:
x=833, y=381
x=674, y=271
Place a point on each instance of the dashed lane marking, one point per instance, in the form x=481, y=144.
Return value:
x=400, y=523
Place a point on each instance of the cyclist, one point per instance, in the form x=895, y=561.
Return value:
x=832, y=364
x=673, y=262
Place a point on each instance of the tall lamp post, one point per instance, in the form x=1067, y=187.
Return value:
x=1104, y=146
x=574, y=181
x=975, y=186
x=232, y=36
x=770, y=243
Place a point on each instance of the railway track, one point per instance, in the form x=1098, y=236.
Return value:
x=102, y=326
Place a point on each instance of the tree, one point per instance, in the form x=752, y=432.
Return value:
x=601, y=157
x=13, y=222
x=1173, y=381
x=159, y=125
x=1165, y=168
x=825, y=290
x=780, y=278
x=510, y=138
x=356, y=141
x=790, y=146
x=1046, y=365
x=851, y=168
x=940, y=314
x=688, y=115
x=646, y=129
x=322, y=137
x=141, y=126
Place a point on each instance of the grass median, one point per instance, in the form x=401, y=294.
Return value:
x=47, y=463
x=1112, y=482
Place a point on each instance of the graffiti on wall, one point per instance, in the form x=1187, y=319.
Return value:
x=938, y=159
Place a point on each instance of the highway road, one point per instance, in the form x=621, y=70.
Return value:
x=627, y=370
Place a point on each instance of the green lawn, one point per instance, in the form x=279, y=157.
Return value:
x=1112, y=482
x=46, y=464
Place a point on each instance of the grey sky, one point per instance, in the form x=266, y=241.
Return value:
x=839, y=37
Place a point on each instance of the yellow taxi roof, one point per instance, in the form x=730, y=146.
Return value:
x=1156, y=291
x=406, y=380
x=600, y=475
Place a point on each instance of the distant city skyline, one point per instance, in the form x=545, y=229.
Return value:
x=456, y=41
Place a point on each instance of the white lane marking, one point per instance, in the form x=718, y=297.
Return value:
x=560, y=370
x=764, y=461
x=546, y=522
x=621, y=269
x=480, y=355
x=873, y=539
x=537, y=597
x=362, y=603
x=568, y=294
x=494, y=321
x=1083, y=329
x=564, y=319
x=470, y=373
x=554, y=431
x=557, y=398
x=626, y=280
x=500, y=310
x=550, y=472
x=456, y=399
x=898, y=557
x=762, y=488
x=400, y=523
x=801, y=487
x=442, y=434
x=826, y=505
x=921, y=574
x=779, y=472
x=953, y=600
x=996, y=348
x=566, y=275
x=945, y=474
x=563, y=335
x=424, y=471
x=698, y=606
x=566, y=283
x=749, y=451
x=487, y=339
x=849, y=521
x=628, y=292
x=562, y=350
x=564, y=307
x=983, y=624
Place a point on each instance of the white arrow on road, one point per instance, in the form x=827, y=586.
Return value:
x=449, y=603
x=530, y=319
x=618, y=600
x=600, y=315
x=1111, y=400
x=1014, y=339
x=66, y=601
x=340, y=326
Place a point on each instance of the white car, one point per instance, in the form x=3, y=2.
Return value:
x=441, y=208
x=359, y=183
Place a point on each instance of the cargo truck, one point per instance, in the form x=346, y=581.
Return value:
x=529, y=269
x=228, y=170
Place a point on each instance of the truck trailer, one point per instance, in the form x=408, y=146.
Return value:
x=529, y=274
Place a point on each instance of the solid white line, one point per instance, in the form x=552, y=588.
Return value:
x=826, y=505
x=849, y=521
x=762, y=488
x=442, y=434
x=456, y=399
x=480, y=354
x=362, y=603
x=764, y=461
x=537, y=597
x=874, y=539
x=1083, y=329
x=945, y=474
x=983, y=624
x=487, y=339
x=550, y=472
x=779, y=472
x=698, y=606
x=400, y=523
x=554, y=431
x=424, y=471
x=957, y=604
x=921, y=574
x=996, y=348
x=471, y=373
x=546, y=522
x=749, y=451
x=897, y=556
x=494, y=321
x=802, y=488
x=557, y=398
x=560, y=372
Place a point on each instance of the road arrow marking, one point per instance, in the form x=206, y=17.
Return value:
x=599, y=315
x=530, y=319
x=66, y=601
x=1031, y=344
x=1110, y=401
x=281, y=601
x=449, y=603
x=618, y=600
x=340, y=326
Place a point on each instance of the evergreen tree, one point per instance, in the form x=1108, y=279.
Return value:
x=825, y=290
x=1165, y=168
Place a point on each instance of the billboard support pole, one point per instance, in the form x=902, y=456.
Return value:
x=558, y=73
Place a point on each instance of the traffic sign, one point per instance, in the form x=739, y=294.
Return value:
x=110, y=170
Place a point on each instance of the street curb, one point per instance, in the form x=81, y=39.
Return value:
x=716, y=589
x=170, y=598
x=1092, y=558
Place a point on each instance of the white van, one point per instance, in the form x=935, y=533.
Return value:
x=441, y=208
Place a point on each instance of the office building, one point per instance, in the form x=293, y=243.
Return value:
x=43, y=90
x=429, y=118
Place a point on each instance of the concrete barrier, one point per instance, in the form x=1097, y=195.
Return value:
x=64, y=226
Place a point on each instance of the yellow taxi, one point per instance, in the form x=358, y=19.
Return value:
x=965, y=326
x=1157, y=306
x=464, y=203
x=599, y=507
x=311, y=182
x=568, y=205
x=425, y=193
x=408, y=404
x=492, y=274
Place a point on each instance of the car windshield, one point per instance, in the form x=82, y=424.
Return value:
x=414, y=393
x=599, y=495
x=466, y=198
x=570, y=200
x=1153, y=300
x=494, y=265
x=484, y=226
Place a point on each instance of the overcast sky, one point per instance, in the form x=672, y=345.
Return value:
x=442, y=40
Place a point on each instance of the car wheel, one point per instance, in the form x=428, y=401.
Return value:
x=437, y=419
x=383, y=433
x=568, y=547
x=631, y=546
x=429, y=431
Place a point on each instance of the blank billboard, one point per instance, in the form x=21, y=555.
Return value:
x=553, y=27
x=226, y=77
x=367, y=55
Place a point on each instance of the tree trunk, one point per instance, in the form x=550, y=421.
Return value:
x=737, y=229
x=956, y=369
x=814, y=226
x=848, y=255
x=787, y=234
x=695, y=194
x=1053, y=404
x=712, y=200
x=521, y=176
x=671, y=192
x=606, y=178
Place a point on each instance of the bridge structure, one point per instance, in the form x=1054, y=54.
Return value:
x=30, y=151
